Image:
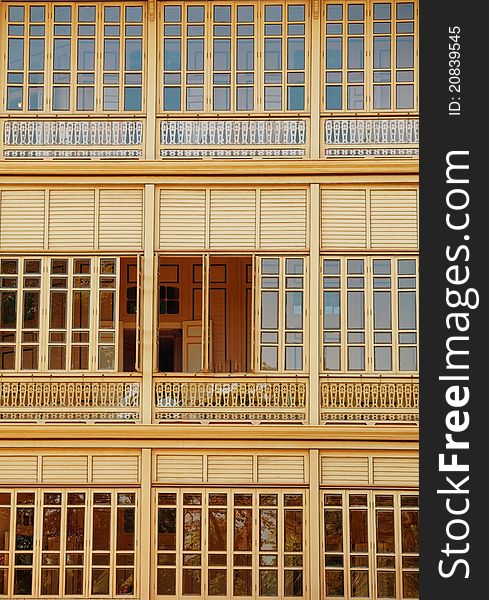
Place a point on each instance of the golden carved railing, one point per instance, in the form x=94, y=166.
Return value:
x=230, y=398
x=370, y=399
x=70, y=398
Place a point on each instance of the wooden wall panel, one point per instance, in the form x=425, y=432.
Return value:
x=64, y=469
x=174, y=469
x=116, y=469
x=344, y=219
x=232, y=219
x=281, y=469
x=71, y=219
x=396, y=471
x=283, y=219
x=394, y=219
x=345, y=470
x=18, y=469
x=228, y=469
x=182, y=219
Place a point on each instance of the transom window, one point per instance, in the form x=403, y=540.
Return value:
x=83, y=57
x=234, y=57
x=76, y=542
x=370, y=56
x=369, y=314
x=370, y=545
x=239, y=543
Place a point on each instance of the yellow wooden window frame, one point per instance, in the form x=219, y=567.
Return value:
x=48, y=59
x=88, y=550
x=282, y=288
x=259, y=36
x=369, y=343
x=370, y=562
x=178, y=566
x=368, y=108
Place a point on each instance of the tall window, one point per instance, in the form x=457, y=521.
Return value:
x=235, y=57
x=74, y=57
x=241, y=541
x=59, y=314
x=371, y=545
x=370, y=314
x=370, y=56
x=68, y=543
x=281, y=314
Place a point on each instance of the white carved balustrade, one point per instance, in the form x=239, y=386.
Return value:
x=233, y=138
x=370, y=399
x=233, y=398
x=65, y=398
x=72, y=139
x=371, y=137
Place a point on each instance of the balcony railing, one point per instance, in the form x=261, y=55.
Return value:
x=63, y=138
x=370, y=400
x=233, y=398
x=70, y=398
x=370, y=137
x=233, y=138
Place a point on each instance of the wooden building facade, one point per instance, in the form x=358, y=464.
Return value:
x=209, y=299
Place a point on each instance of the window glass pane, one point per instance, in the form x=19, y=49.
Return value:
x=356, y=310
x=134, y=49
x=382, y=310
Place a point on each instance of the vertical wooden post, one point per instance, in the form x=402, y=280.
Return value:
x=314, y=297
x=315, y=74
x=151, y=83
x=146, y=532
x=314, y=529
x=147, y=304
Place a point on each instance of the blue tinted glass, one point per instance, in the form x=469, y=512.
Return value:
x=171, y=98
x=382, y=11
x=86, y=55
x=295, y=12
x=15, y=54
x=355, y=53
x=84, y=98
x=245, y=55
x=355, y=12
x=111, y=55
x=134, y=53
x=61, y=98
x=273, y=55
x=334, y=12
x=173, y=14
x=222, y=55
x=195, y=55
x=222, y=14
x=333, y=53
x=14, y=98
x=273, y=98
x=132, y=98
x=333, y=97
x=295, y=53
x=195, y=98
x=405, y=52
x=222, y=97
x=134, y=14
x=61, y=58
x=382, y=52
x=16, y=15
x=405, y=96
x=355, y=97
x=244, y=98
x=86, y=14
x=62, y=14
x=245, y=14
x=405, y=10
x=295, y=98
x=37, y=14
x=112, y=14
x=36, y=55
x=111, y=98
x=36, y=98
x=195, y=14
x=273, y=13
x=172, y=55
x=382, y=97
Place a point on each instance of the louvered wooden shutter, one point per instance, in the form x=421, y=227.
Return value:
x=115, y=469
x=345, y=470
x=71, y=219
x=182, y=219
x=281, y=469
x=64, y=469
x=22, y=220
x=232, y=219
x=18, y=469
x=343, y=219
x=283, y=219
x=179, y=469
x=400, y=471
x=394, y=219
x=121, y=219
x=230, y=469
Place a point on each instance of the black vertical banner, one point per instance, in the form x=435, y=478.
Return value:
x=454, y=249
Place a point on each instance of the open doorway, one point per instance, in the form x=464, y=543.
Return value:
x=225, y=282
